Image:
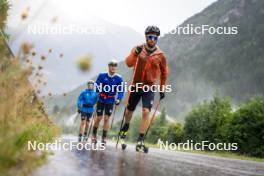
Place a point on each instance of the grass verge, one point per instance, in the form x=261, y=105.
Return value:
x=21, y=119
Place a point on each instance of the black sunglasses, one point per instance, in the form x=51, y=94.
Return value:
x=112, y=65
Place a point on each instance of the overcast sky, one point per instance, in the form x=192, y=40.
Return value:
x=136, y=14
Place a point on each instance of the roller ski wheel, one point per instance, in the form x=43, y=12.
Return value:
x=123, y=144
x=140, y=147
x=146, y=149
x=123, y=135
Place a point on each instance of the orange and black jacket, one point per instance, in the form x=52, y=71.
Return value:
x=149, y=67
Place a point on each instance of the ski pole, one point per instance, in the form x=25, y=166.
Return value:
x=152, y=118
x=118, y=136
x=76, y=117
x=113, y=118
x=90, y=127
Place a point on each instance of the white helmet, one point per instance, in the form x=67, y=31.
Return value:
x=113, y=63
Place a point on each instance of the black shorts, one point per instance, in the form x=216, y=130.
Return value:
x=147, y=99
x=103, y=108
x=86, y=116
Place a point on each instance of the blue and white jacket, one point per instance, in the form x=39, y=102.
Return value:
x=86, y=100
x=109, y=87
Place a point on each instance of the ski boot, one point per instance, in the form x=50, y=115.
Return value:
x=123, y=135
x=85, y=138
x=80, y=138
x=140, y=147
x=94, y=140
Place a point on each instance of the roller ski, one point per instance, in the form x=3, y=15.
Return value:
x=140, y=147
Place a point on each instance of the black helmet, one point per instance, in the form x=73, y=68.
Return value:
x=152, y=30
x=90, y=82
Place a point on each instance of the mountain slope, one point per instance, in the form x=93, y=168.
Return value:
x=229, y=64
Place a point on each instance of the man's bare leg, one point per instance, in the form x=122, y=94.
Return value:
x=96, y=125
x=106, y=122
x=82, y=126
x=128, y=116
x=81, y=131
x=144, y=120
x=125, y=127
x=105, y=128
x=86, y=129
x=97, y=121
x=143, y=125
x=86, y=126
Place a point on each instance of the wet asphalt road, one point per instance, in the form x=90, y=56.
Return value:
x=112, y=161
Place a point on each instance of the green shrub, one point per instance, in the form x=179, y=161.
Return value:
x=247, y=128
x=208, y=121
x=174, y=133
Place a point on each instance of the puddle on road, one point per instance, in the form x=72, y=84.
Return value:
x=113, y=161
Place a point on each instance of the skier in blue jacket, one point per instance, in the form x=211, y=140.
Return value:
x=86, y=101
x=110, y=87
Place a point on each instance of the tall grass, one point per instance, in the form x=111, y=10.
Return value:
x=21, y=119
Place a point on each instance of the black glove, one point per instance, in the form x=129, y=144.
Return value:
x=117, y=102
x=162, y=95
x=138, y=49
x=79, y=111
